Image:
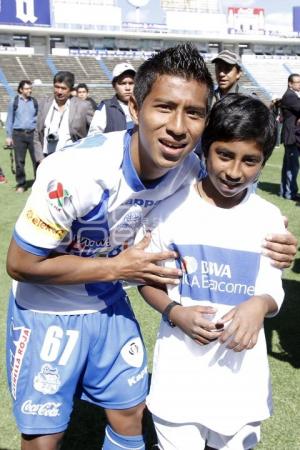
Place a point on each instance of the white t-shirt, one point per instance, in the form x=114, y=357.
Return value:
x=220, y=255
x=57, y=123
x=86, y=202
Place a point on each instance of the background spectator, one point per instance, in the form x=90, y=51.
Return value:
x=20, y=125
x=113, y=114
x=61, y=119
x=228, y=70
x=290, y=106
x=2, y=177
x=275, y=107
x=83, y=94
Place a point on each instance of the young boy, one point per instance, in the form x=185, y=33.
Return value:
x=216, y=394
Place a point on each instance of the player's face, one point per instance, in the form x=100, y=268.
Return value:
x=232, y=167
x=61, y=92
x=227, y=75
x=170, y=122
x=124, y=87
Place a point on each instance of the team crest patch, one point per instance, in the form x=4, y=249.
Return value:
x=133, y=352
x=57, y=194
x=47, y=381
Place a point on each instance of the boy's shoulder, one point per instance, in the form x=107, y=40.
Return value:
x=264, y=205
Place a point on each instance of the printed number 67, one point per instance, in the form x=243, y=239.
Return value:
x=52, y=344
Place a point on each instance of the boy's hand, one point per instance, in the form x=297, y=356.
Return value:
x=136, y=264
x=281, y=248
x=246, y=321
x=195, y=322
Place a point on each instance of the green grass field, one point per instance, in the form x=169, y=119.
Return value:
x=281, y=432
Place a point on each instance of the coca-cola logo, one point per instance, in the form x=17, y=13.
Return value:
x=49, y=409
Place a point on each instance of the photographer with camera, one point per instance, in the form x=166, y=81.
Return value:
x=20, y=125
x=61, y=119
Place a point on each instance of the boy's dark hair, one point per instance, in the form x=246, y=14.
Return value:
x=82, y=86
x=22, y=84
x=239, y=117
x=63, y=76
x=183, y=61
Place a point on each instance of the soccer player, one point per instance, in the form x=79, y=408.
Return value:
x=71, y=330
x=214, y=395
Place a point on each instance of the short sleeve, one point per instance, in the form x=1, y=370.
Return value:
x=58, y=197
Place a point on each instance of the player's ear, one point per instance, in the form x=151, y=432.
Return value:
x=133, y=109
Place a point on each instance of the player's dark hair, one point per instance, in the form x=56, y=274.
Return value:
x=63, y=76
x=22, y=84
x=182, y=61
x=239, y=117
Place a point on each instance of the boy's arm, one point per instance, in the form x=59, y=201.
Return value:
x=246, y=321
x=188, y=318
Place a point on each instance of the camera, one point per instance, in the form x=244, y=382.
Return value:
x=52, y=137
x=8, y=147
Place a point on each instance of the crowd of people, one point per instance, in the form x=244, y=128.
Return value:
x=128, y=199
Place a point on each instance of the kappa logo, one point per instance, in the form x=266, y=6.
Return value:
x=47, y=381
x=133, y=352
x=57, y=194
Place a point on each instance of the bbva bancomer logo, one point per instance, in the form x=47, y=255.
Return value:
x=25, y=11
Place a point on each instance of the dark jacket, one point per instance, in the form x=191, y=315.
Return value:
x=115, y=117
x=290, y=108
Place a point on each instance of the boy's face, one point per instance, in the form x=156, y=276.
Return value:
x=170, y=122
x=232, y=167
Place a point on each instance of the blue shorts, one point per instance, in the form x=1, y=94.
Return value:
x=98, y=357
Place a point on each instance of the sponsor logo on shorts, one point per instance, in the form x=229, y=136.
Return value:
x=51, y=228
x=47, y=381
x=133, y=352
x=17, y=358
x=49, y=409
x=136, y=378
x=57, y=194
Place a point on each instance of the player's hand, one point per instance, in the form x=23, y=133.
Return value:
x=135, y=264
x=246, y=320
x=195, y=322
x=281, y=248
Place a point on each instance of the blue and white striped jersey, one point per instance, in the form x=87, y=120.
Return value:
x=88, y=201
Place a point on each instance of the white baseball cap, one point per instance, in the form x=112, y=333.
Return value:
x=121, y=68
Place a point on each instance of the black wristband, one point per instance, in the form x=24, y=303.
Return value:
x=166, y=313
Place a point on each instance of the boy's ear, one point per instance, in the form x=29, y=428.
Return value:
x=133, y=109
